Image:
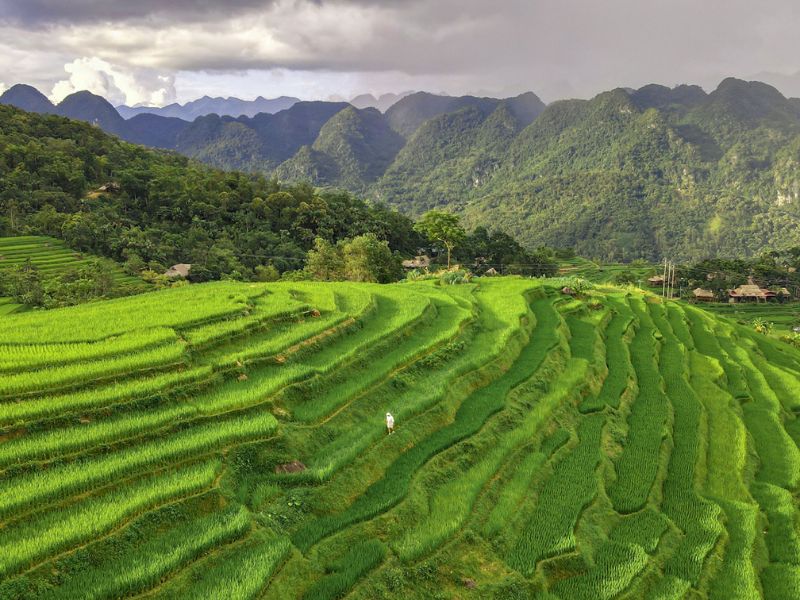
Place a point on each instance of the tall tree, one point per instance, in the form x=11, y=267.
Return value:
x=324, y=261
x=442, y=227
x=366, y=258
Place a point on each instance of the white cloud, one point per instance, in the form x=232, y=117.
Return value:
x=119, y=85
x=2, y=87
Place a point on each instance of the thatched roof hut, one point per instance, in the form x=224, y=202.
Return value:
x=656, y=280
x=111, y=187
x=750, y=292
x=179, y=270
x=702, y=295
x=418, y=262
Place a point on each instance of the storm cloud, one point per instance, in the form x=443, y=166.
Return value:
x=156, y=50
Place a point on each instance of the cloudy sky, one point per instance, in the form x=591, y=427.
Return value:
x=158, y=51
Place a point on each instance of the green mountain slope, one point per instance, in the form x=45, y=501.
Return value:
x=352, y=150
x=627, y=174
x=227, y=440
x=652, y=173
x=409, y=113
x=453, y=153
x=630, y=173
x=257, y=144
x=162, y=208
x=221, y=142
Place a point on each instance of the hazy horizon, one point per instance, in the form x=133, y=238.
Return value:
x=156, y=53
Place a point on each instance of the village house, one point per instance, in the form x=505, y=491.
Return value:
x=418, y=262
x=750, y=292
x=110, y=188
x=656, y=280
x=179, y=270
x=701, y=295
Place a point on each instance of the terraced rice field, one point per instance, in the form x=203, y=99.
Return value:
x=8, y=306
x=226, y=440
x=606, y=273
x=51, y=257
x=783, y=316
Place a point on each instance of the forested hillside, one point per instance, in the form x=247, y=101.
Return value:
x=650, y=173
x=162, y=208
x=353, y=149
x=630, y=173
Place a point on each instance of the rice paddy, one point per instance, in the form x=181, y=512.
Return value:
x=227, y=440
x=784, y=317
x=51, y=257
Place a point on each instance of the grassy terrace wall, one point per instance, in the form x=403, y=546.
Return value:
x=227, y=440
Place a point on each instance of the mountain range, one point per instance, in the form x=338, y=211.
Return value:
x=236, y=107
x=646, y=173
x=307, y=132
x=208, y=105
x=382, y=102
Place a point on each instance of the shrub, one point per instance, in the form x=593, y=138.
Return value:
x=761, y=325
x=792, y=339
x=455, y=277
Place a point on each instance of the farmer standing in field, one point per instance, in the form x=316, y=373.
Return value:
x=389, y=423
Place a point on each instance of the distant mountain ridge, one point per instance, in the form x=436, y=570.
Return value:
x=351, y=152
x=236, y=107
x=146, y=129
x=382, y=102
x=27, y=98
x=206, y=105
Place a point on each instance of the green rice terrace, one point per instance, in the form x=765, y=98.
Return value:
x=51, y=257
x=227, y=440
x=607, y=273
x=784, y=317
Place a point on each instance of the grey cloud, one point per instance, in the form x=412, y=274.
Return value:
x=34, y=13
x=555, y=47
x=46, y=12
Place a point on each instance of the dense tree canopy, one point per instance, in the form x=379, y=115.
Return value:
x=151, y=209
x=162, y=209
x=26, y=284
x=363, y=258
x=499, y=251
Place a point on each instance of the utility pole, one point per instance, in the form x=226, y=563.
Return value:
x=664, y=280
x=674, y=276
x=672, y=282
x=669, y=280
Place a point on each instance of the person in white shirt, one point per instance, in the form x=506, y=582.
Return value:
x=389, y=423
